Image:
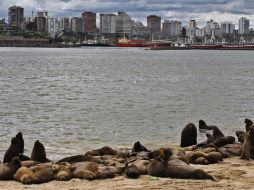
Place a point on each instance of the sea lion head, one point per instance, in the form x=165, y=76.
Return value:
x=38, y=152
x=138, y=147
x=132, y=172
x=15, y=141
x=201, y=123
x=19, y=136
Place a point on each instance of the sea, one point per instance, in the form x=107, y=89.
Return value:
x=78, y=99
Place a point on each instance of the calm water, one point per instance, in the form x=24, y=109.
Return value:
x=74, y=100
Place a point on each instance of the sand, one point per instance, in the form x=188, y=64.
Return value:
x=232, y=173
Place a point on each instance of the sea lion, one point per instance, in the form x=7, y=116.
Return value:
x=102, y=151
x=13, y=150
x=8, y=170
x=138, y=147
x=233, y=149
x=248, y=123
x=216, y=131
x=248, y=145
x=210, y=139
x=220, y=142
x=19, y=136
x=24, y=175
x=85, y=170
x=137, y=168
x=240, y=136
x=62, y=171
x=200, y=161
x=29, y=163
x=189, y=135
x=175, y=169
x=39, y=153
x=42, y=174
x=81, y=158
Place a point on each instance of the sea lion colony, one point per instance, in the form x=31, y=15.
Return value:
x=107, y=163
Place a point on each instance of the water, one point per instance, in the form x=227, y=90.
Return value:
x=74, y=100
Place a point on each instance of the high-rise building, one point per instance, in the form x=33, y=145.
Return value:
x=42, y=14
x=227, y=27
x=244, y=25
x=76, y=24
x=65, y=24
x=108, y=23
x=212, y=28
x=154, y=24
x=89, y=22
x=139, y=30
x=53, y=26
x=192, y=24
x=41, y=24
x=16, y=17
x=171, y=28
x=123, y=23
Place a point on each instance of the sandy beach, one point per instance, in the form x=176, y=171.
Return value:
x=232, y=173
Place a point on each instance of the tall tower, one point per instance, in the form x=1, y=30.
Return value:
x=244, y=25
x=154, y=24
x=16, y=16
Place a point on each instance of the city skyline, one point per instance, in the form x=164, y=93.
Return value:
x=182, y=10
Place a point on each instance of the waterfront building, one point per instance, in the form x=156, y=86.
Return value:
x=199, y=33
x=154, y=24
x=171, y=28
x=107, y=23
x=41, y=24
x=139, y=30
x=76, y=24
x=16, y=17
x=3, y=24
x=244, y=26
x=212, y=28
x=227, y=27
x=53, y=26
x=29, y=19
x=192, y=24
x=42, y=14
x=123, y=23
x=89, y=22
x=65, y=24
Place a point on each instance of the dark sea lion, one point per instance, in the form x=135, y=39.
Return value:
x=8, y=170
x=138, y=147
x=240, y=136
x=81, y=158
x=62, y=171
x=39, y=153
x=13, y=150
x=42, y=174
x=248, y=123
x=19, y=136
x=175, y=169
x=248, y=145
x=24, y=157
x=24, y=175
x=203, y=126
x=221, y=141
x=102, y=151
x=189, y=135
x=210, y=139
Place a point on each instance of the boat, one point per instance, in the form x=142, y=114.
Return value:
x=124, y=42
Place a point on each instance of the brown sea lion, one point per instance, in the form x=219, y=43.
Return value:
x=175, y=169
x=137, y=168
x=24, y=175
x=62, y=171
x=13, y=150
x=19, y=136
x=248, y=123
x=200, y=161
x=42, y=174
x=189, y=135
x=85, y=170
x=233, y=149
x=81, y=158
x=138, y=147
x=8, y=170
x=248, y=145
x=39, y=153
x=29, y=163
x=102, y=151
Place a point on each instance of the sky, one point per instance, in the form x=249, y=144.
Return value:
x=182, y=10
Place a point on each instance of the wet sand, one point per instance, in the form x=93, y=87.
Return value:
x=232, y=173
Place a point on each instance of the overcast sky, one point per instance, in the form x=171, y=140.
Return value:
x=183, y=10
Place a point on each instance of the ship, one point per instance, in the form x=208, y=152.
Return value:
x=124, y=42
